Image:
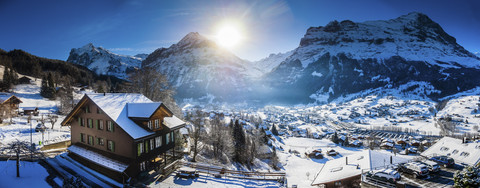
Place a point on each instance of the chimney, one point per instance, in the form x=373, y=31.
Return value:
x=346, y=160
x=391, y=159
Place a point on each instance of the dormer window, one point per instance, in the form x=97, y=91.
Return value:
x=149, y=124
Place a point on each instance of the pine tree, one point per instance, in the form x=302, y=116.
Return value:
x=274, y=130
x=239, y=142
x=335, y=138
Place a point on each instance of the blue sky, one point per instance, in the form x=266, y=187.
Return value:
x=50, y=28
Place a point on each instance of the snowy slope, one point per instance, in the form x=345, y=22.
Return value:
x=273, y=60
x=199, y=68
x=102, y=61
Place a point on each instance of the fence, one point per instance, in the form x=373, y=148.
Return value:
x=238, y=174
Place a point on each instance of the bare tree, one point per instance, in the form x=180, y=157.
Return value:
x=65, y=96
x=53, y=119
x=155, y=86
x=196, y=134
x=18, y=147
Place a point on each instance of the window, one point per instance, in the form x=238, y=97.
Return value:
x=81, y=121
x=100, y=124
x=338, y=183
x=99, y=111
x=140, y=148
x=82, y=137
x=455, y=151
x=142, y=166
x=89, y=123
x=157, y=124
x=151, y=145
x=100, y=141
x=110, y=126
x=90, y=140
x=146, y=146
x=149, y=124
x=443, y=149
x=168, y=138
x=87, y=109
x=158, y=141
x=171, y=136
x=466, y=154
x=111, y=146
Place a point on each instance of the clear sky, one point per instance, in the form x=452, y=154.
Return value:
x=50, y=28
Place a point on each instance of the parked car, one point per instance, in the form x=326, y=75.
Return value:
x=443, y=160
x=186, y=172
x=432, y=166
x=414, y=168
x=388, y=174
x=40, y=127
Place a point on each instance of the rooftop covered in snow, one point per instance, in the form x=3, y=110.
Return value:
x=352, y=165
x=115, y=106
x=98, y=158
x=467, y=153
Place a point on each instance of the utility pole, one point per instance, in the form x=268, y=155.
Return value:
x=31, y=139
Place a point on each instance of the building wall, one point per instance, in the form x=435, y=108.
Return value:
x=123, y=142
x=347, y=182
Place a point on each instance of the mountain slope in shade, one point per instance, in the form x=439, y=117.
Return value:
x=104, y=62
x=200, y=69
x=347, y=57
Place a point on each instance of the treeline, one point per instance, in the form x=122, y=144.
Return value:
x=38, y=67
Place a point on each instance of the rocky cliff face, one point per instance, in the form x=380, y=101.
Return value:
x=102, y=61
x=347, y=57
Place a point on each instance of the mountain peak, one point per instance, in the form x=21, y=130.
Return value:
x=192, y=39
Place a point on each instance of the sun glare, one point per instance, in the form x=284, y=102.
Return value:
x=228, y=36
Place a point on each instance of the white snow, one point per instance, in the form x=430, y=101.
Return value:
x=142, y=110
x=98, y=158
x=31, y=174
x=318, y=74
x=467, y=153
x=173, y=122
x=114, y=105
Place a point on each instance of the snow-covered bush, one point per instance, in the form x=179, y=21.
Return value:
x=468, y=177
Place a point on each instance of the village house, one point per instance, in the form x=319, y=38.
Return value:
x=347, y=171
x=10, y=101
x=461, y=151
x=9, y=104
x=122, y=135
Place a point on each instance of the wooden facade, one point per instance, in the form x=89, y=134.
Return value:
x=93, y=129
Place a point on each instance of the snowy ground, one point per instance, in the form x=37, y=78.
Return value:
x=19, y=129
x=212, y=182
x=32, y=174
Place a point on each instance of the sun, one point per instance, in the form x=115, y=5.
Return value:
x=228, y=36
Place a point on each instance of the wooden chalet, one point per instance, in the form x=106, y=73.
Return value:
x=11, y=100
x=121, y=135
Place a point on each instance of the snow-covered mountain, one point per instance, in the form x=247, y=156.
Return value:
x=105, y=62
x=198, y=68
x=347, y=57
x=273, y=60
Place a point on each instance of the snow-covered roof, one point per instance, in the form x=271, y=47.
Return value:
x=6, y=96
x=173, y=122
x=98, y=158
x=338, y=169
x=115, y=106
x=142, y=110
x=468, y=153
